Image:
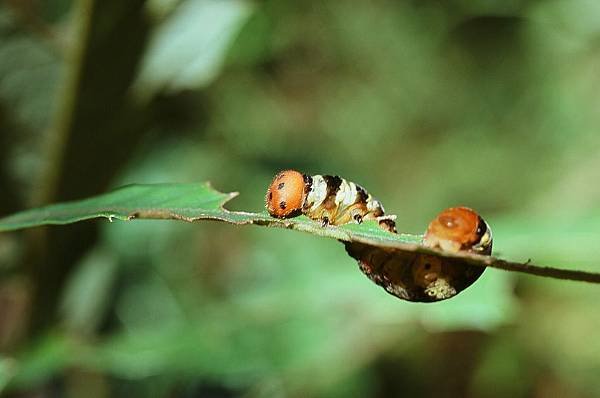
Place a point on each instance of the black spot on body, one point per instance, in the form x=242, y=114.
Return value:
x=389, y=225
x=308, y=181
x=361, y=195
x=270, y=195
x=282, y=205
x=481, y=229
x=281, y=185
x=333, y=184
x=294, y=213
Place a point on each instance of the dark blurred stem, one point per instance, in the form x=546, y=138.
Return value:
x=8, y=197
x=62, y=126
x=96, y=128
x=47, y=180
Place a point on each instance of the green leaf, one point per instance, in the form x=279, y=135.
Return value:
x=154, y=201
x=7, y=370
x=189, y=48
x=186, y=202
x=193, y=202
x=84, y=302
x=36, y=363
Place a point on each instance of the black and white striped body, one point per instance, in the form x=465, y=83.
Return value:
x=334, y=200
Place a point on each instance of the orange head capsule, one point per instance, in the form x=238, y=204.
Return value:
x=459, y=228
x=286, y=194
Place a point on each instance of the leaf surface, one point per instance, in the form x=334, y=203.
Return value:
x=194, y=202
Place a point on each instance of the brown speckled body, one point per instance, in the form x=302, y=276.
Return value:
x=426, y=277
x=413, y=276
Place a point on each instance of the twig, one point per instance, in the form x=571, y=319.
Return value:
x=549, y=272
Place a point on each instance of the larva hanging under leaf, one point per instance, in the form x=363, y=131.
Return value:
x=427, y=277
x=329, y=199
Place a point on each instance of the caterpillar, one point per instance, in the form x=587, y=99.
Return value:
x=332, y=200
x=427, y=277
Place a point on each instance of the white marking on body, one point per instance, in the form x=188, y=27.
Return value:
x=374, y=204
x=351, y=195
x=341, y=192
x=486, y=240
x=317, y=194
x=346, y=194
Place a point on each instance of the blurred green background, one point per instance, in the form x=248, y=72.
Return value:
x=490, y=104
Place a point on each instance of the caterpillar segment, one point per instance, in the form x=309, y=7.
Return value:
x=459, y=229
x=332, y=200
